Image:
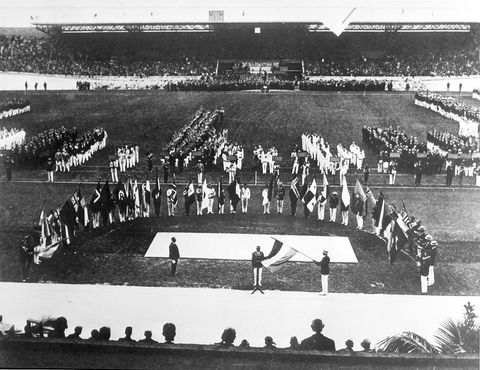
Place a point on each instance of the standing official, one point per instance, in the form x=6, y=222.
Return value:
x=26, y=253
x=324, y=271
x=333, y=206
x=174, y=256
x=266, y=200
x=50, y=166
x=280, y=198
x=424, y=272
x=257, y=258
x=245, y=197
x=171, y=200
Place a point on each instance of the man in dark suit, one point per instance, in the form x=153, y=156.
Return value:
x=318, y=341
x=324, y=271
x=257, y=258
x=173, y=255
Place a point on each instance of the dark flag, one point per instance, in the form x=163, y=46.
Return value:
x=221, y=194
x=294, y=194
x=120, y=196
x=190, y=199
x=107, y=203
x=270, y=189
x=95, y=200
x=68, y=219
x=157, y=196
x=234, y=193
x=303, y=192
x=80, y=207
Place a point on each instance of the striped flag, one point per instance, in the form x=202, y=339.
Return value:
x=43, y=222
x=279, y=254
x=294, y=192
x=310, y=197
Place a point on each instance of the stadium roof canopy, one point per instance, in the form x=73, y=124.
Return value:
x=206, y=15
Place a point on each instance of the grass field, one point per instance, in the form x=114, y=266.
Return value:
x=149, y=118
x=114, y=254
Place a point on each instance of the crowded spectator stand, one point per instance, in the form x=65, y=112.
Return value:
x=467, y=116
x=407, y=151
x=13, y=107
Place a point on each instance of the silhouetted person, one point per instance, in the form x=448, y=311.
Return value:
x=366, y=345
x=104, y=333
x=318, y=341
x=244, y=344
x=294, y=343
x=348, y=348
x=148, y=338
x=449, y=176
x=59, y=327
x=169, y=331
x=228, y=337
x=173, y=255
x=128, y=335
x=76, y=333
x=27, y=332
x=269, y=343
x=94, y=336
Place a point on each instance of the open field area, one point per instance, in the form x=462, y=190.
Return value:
x=114, y=254
x=149, y=118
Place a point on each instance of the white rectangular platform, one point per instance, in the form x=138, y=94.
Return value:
x=240, y=246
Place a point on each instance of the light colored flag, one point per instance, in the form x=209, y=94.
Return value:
x=345, y=194
x=358, y=190
x=205, y=192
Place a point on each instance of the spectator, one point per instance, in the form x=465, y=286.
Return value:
x=128, y=335
x=148, y=338
x=169, y=332
x=59, y=327
x=244, y=344
x=269, y=343
x=318, y=341
x=76, y=333
x=294, y=343
x=348, y=347
x=94, y=336
x=104, y=333
x=228, y=337
x=366, y=345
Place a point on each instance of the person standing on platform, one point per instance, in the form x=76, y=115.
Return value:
x=265, y=200
x=26, y=253
x=171, y=200
x=198, y=199
x=424, y=272
x=418, y=173
x=245, y=197
x=174, y=256
x=333, y=203
x=257, y=258
x=50, y=166
x=324, y=271
x=280, y=198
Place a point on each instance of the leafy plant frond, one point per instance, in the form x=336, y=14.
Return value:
x=406, y=342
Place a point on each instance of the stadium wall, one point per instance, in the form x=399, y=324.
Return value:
x=57, y=353
x=12, y=81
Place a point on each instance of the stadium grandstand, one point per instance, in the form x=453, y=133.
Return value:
x=215, y=184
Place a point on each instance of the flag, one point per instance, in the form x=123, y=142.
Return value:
x=68, y=219
x=95, y=203
x=147, y=192
x=294, y=191
x=81, y=207
x=391, y=241
x=404, y=214
x=174, y=196
x=136, y=198
x=106, y=198
x=190, y=194
x=325, y=191
x=221, y=195
x=279, y=254
x=205, y=192
x=43, y=223
x=345, y=197
x=270, y=189
x=358, y=190
x=84, y=220
x=310, y=197
x=234, y=192
x=381, y=212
